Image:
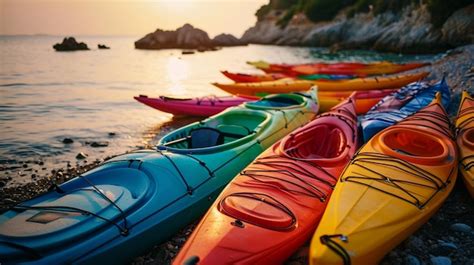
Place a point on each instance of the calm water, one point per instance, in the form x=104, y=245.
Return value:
x=47, y=96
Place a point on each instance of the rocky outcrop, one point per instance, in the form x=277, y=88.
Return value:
x=70, y=44
x=185, y=37
x=459, y=28
x=408, y=31
x=226, y=40
x=102, y=46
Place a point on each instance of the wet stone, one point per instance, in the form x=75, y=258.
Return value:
x=441, y=260
x=460, y=227
x=81, y=155
x=68, y=141
x=99, y=144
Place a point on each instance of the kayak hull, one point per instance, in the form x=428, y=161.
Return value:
x=465, y=132
x=290, y=85
x=393, y=185
x=296, y=184
x=204, y=106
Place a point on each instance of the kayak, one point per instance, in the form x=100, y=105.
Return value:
x=250, y=78
x=342, y=68
x=274, y=205
x=393, y=185
x=134, y=201
x=200, y=106
x=363, y=100
x=465, y=140
x=401, y=104
x=367, y=70
x=290, y=85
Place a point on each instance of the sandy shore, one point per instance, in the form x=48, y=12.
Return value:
x=447, y=237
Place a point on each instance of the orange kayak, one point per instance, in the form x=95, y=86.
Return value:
x=393, y=185
x=248, y=78
x=274, y=205
x=465, y=140
x=290, y=85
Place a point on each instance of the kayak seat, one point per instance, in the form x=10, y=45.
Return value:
x=233, y=131
x=203, y=137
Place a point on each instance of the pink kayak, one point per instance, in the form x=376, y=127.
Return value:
x=202, y=106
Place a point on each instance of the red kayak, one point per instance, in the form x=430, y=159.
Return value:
x=273, y=207
x=249, y=78
x=202, y=106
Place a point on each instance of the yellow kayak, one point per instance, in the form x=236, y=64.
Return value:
x=288, y=85
x=393, y=185
x=465, y=140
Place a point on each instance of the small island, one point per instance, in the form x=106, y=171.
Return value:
x=70, y=44
x=185, y=37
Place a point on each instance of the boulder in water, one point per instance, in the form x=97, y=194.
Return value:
x=70, y=44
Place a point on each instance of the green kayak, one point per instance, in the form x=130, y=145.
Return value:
x=134, y=201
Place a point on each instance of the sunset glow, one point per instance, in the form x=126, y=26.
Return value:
x=107, y=17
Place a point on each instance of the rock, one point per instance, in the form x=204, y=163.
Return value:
x=81, y=155
x=111, y=134
x=2, y=183
x=185, y=37
x=440, y=260
x=460, y=227
x=99, y=144
x=102, y=47
x=444, y=248
x=187, y=52
x=412, y=260
x=226, y=40
x=68, y=141
x=415, y=243
x=459, y=27
x=407, y=31
x=70, y=44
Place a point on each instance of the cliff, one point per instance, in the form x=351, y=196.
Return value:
x=410, y=30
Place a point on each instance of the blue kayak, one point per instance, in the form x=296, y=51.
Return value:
x=401, y=104
x=134, y=201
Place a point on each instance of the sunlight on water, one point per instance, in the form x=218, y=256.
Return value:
x=177, y=72
x=47, y=96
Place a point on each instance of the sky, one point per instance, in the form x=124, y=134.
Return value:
x=125, y=17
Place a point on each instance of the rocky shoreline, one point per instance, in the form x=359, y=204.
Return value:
x=409, y=31
x=447, y=238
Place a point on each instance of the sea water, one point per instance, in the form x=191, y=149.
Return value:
x=46, y=96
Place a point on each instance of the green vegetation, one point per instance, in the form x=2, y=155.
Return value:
x=323, y=10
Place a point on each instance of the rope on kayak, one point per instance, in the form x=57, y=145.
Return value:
x=123, y=230
x=464, y=123
x=211, y=98
x=336, y=247
x=367, y=160
x=189, y=189
x=258, y=174
x=440, y=121
x=297, y=167
x=468, y=165
x=264, y=198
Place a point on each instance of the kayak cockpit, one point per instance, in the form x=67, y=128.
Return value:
x=323, y=141
x=278, y=101
x=226, y=130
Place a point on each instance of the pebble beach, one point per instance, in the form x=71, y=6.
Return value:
x=447, y=238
